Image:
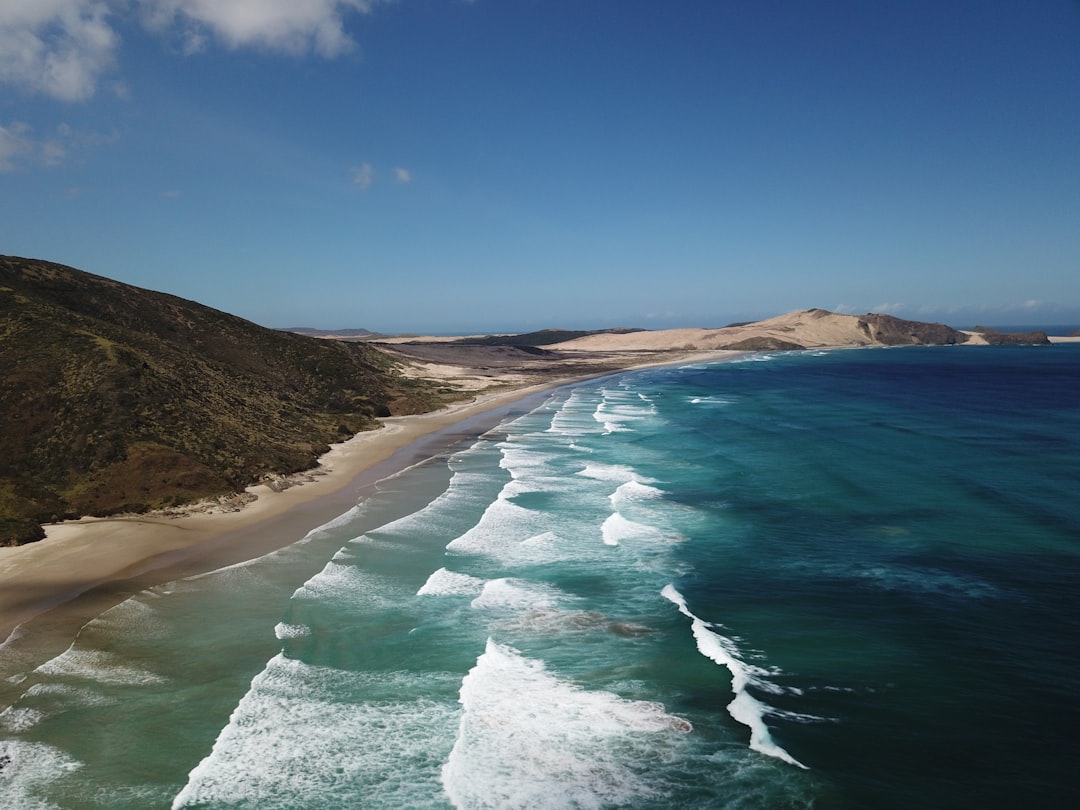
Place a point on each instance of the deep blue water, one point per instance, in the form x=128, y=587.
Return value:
x=835, y=579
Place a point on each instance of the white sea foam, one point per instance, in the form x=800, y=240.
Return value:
x=136, y=617
x=16, y=719
x=574, y=418
x=296, y=737
x=545, y=540
x=634, y=490
x=348, y=585
x=48, y=699
x=618, y=411
x=502, y=526
x=528, y=739
x=745, y=708
x=617, y=529
x=613, y=472
x=450, y=583
x=28, y=767
x=522, y=461
x=286, y=631
x=515, y=594
x=98, y=666
x=326, y=528
x=466, y=487
x=610, y=421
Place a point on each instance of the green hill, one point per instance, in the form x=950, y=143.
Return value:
x=116, y=398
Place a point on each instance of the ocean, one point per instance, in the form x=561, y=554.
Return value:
x=825, y=579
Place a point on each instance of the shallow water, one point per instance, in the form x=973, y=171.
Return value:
x=823, y=579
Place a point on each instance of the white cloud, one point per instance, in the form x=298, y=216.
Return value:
x=290, y=26
x=885, y=308
x=56, y=47
x=62, y=48
x=363, y=175
x=402, y=175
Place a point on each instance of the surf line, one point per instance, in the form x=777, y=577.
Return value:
x=745, y=708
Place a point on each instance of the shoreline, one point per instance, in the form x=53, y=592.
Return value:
x=113, y=557
x=77, y=556
x=84, y=566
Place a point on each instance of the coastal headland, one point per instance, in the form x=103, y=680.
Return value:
x=119, y=554
x=424, y=395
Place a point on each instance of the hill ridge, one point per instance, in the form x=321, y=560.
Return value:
x=118, y=398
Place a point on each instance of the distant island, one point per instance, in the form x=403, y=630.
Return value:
x=118, y=399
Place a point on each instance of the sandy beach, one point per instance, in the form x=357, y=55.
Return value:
x=83, y=566
x=120, y=555
x=76, y=556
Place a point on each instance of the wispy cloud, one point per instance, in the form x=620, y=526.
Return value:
x=363, y=176
x=15, y=145
x=402, y=175
x=62, y=48
x=20, y=147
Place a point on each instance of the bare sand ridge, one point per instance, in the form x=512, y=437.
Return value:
x=812, y=328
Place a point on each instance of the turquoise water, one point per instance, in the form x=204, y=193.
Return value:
x=824, y=579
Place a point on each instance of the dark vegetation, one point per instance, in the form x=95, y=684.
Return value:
x=996, y=338
x=118, y=399
x=889, y=330
x=763, y=343
x=544, y=337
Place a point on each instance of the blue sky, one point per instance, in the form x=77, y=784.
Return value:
x=451, y=166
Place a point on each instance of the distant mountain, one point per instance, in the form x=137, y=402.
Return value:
x=115, y=398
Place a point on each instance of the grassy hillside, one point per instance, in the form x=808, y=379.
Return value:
x=115, y=398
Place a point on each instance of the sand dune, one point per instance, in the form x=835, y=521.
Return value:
x=810, y=328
